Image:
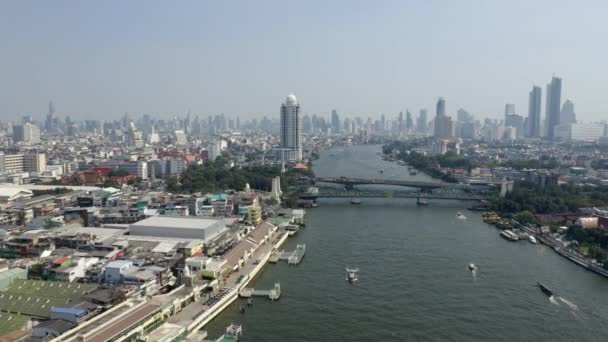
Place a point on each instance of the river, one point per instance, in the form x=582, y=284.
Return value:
x=413, y=281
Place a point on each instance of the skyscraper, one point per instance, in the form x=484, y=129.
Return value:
x=567, y=115
x=49, y=118
x=291, y=130
x=534, y=103
x=335, y=122
x=554, y=100
x=441, y=106
x=509, y=109
x=444, y=126
x=409, y=122
x=422, y=123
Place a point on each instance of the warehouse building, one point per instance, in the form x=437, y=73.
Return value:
x=181, y=227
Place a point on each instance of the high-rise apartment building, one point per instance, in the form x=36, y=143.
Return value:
x=16, y=163
x=26, y=133
x=291, y=130
x=534, y=104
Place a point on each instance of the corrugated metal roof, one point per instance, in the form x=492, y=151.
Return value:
x=69, y=311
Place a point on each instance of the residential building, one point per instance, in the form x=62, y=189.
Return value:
x=291, y=130
x=26, y=133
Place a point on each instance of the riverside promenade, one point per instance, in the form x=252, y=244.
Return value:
x=196, y=315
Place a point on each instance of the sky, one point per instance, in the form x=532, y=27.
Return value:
x=100, y=59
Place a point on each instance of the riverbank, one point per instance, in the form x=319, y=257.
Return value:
x=556, y=245
x=413, y=261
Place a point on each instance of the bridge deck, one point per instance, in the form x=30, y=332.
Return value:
x=379, y=194
x=361, y=181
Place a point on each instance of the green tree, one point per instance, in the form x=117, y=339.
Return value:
x=525, y=217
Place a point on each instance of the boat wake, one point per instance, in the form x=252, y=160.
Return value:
x=569, y=303
x=552, y=300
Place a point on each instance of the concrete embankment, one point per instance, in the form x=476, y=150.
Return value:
x=231, y=296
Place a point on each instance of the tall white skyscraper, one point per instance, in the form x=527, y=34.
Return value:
x=291, y=130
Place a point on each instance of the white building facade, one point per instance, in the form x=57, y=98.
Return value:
x=291, y=130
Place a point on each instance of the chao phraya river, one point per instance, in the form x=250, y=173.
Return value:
x=414, y=284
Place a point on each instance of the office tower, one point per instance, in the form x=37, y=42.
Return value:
x=307, y=124
x=291, y=127
x=463, y=116
x=422, y=123
x=441, y=106
x=335, y=122
x=554, y=96
x=444, y=126
x=534, y=103
x=49, y=124
x=517, y=122
x=409, y=122
x=400, y=124
x=567, y=115
x=26, y=133
x=509, y=109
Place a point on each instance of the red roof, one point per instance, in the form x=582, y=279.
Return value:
x=62, y=260
x=104, y=171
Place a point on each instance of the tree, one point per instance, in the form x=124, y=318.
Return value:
x=172, y=184
x=292, y=201
x=271, y=201
x=118, y=173
x=525, y=217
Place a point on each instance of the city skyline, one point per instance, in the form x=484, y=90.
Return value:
x=140, y=64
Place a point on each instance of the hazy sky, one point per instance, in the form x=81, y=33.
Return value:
x=100, y=59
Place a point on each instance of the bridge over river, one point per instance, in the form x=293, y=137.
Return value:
x=349, y=183
x=446, y=195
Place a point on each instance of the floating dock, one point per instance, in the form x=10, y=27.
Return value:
x=292, y=258
x=272, y=294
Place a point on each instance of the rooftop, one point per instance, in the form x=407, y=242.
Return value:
x=178, y=222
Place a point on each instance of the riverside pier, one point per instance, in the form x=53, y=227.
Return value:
x=272, y=294
x=292, y=258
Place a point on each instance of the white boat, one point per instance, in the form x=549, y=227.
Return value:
x=472, y=267
x=532, y=239
x=461, y=216
x=351, y=274
x=509, y=235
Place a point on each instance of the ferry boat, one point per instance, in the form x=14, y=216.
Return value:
x=461, y=216
x=351, y=274
x=509, y=235
x=545, y=289
x=532, y=239
x=355, y=201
